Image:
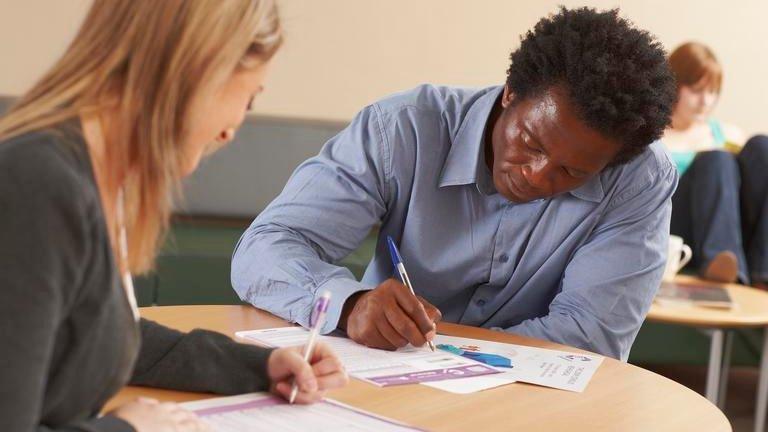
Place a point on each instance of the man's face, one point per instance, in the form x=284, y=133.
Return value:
x=541, y=148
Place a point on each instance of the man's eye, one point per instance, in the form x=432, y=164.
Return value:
x=534, y=149
x=573, y=174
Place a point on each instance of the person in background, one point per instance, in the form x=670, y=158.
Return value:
x=90, y=158
x=720, y=207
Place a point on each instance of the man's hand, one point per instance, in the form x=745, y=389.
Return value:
x=389, y=317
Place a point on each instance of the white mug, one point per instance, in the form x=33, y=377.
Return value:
x=678, y=256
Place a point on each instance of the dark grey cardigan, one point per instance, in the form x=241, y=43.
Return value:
x=69, y=340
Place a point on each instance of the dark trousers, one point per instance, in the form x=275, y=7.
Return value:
x=721, y=204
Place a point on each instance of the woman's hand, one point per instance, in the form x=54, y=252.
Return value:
x=149, y=415
x=323, y=372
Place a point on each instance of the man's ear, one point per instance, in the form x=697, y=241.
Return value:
x=507, y=97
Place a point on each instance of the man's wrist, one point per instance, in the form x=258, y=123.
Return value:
x=349, y=305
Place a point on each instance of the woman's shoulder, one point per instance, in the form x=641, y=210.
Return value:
x=688, y=141
x=49, y=162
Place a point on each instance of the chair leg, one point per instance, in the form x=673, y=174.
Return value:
x=762, y=387
x=725, y=370
x=713, y=370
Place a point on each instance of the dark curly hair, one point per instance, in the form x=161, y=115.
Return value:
x=616, y=75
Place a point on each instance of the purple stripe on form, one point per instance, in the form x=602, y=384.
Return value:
x=434, y=375
x=344, y=406
x=259, y=403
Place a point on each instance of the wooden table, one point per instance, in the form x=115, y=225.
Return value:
x=621, y=397
x=750, y=310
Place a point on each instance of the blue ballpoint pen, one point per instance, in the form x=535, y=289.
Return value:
x=397, y=260
x=317, y=319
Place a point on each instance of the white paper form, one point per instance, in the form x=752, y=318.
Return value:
x=257, y=412
x=557, y=369
x=474, y=384
x=408, y=365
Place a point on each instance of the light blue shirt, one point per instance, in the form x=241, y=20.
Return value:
x=580, y=268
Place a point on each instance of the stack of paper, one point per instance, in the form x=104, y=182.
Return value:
x=461, y=365
x=384, y=368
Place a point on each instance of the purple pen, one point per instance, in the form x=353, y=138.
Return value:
x=316, y=320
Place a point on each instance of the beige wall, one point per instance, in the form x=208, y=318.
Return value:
x=343, y=54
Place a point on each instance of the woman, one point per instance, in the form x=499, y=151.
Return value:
x=720, y=206
x=89, y=159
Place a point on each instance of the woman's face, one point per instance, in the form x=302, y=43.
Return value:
x=215, y=118
x=695, y=102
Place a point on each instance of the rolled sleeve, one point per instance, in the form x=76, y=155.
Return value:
x=341, y=290
x=289, y=255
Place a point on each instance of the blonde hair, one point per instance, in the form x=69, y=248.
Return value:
x=692, y=62
x=147, y=60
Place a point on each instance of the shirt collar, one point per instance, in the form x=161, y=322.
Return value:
x=465, y=163
x=592, y=190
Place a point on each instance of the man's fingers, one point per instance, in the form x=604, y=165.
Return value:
x=413, y=307
x=434, y=313
x=390, y=317
x=392, y=336
x=407, y=301
x=404, y=326
x=370, y=336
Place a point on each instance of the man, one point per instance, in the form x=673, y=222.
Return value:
x=537, y=208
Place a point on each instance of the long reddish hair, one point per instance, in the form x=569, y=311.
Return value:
x=693, y=62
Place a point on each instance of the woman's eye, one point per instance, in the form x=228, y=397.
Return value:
x=249, y=107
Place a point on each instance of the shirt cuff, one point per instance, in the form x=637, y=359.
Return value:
x=340, y=289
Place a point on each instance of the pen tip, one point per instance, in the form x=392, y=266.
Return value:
x=393, y=251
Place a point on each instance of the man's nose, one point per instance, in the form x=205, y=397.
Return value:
x=538, y=173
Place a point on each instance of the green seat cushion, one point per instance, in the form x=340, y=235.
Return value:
x=194, y=265
x=659, y=343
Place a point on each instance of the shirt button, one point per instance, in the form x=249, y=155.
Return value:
x=480, y=302
x=504, y=258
